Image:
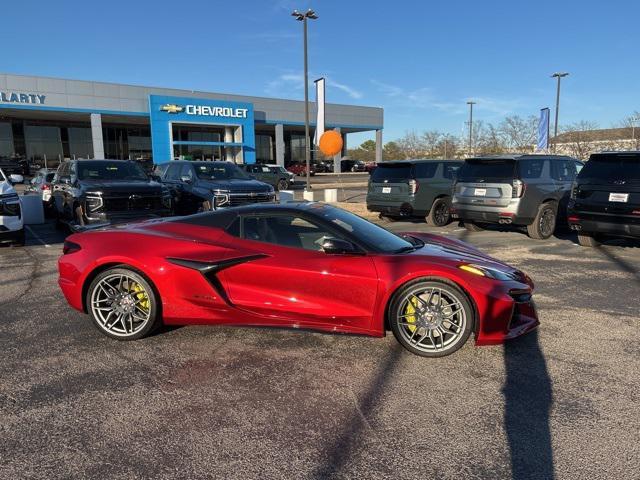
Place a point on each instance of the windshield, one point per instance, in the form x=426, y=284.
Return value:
x=219, y=171
x=400, y=172
x=475, y=169
x=105, y=170
x=374, y=236
x=603, y=168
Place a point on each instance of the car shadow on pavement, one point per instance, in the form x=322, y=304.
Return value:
x=340, y=451
x=528, y=396
x=624, y=265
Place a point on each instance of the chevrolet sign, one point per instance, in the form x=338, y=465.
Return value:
x=216, y=111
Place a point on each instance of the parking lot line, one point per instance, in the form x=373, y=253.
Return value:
x=36, y=236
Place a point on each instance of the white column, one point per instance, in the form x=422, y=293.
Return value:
x=378, y=146
x=96, y=136
x=280, y=144
x=228, y=138
x=338, y=156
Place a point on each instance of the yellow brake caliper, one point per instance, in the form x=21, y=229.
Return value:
x=141, y=295
x=410, y=311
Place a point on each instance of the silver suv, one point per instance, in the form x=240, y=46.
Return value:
x=527, y=190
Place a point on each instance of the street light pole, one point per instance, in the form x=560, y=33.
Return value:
x=302, y=17
x=557, y=75
x=471, y=104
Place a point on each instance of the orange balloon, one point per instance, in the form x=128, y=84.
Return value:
x=330, y=143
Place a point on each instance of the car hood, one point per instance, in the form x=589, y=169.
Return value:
x=122, y=186
x=235, y=184
x=456, y=251
x=6, y=188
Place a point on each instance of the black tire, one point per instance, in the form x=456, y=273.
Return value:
x=588, y=240
x=153, y=306
x=440, y=213
x=544, y=224
x=405, y=336
x=472, y=226
x=283, y=184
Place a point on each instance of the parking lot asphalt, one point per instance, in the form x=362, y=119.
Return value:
x=212, y=402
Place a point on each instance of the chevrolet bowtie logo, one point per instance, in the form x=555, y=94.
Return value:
x=172, y=108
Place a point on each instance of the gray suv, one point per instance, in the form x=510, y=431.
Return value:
x=526, y=190
x=413, y=188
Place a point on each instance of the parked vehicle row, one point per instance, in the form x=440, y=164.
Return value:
x=598, y=199
x=93, y=192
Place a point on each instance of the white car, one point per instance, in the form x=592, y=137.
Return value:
x=11, y=219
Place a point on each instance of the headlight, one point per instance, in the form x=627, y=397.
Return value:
x=9, y=198
x=93, y=203
x=485, y=271
x=220, y=197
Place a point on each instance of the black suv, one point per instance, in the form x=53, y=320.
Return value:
x=202, y=186
x=106, y=191
x=605, y=200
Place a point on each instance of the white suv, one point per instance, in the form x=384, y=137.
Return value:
x=11, y=219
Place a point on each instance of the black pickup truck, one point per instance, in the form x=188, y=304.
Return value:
x=89, y=192
x=206, y=185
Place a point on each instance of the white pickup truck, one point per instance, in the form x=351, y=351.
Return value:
x=11, y=218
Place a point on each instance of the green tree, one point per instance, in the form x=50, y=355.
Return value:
x=392, y=151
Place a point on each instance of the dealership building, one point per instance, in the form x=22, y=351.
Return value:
x=46, y=120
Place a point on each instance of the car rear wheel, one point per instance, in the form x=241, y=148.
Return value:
x=545, y=222
x=473, y=227
x=440, y=213
x=431, y=318
x=283, y=184
x=122, y=304
x=588, y=240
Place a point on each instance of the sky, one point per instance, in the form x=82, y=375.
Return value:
x=419, y=60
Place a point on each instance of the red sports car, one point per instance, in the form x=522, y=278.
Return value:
x=300, y=265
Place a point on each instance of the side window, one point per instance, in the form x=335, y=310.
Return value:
x=186, y=171
x=426, y=169
x=73, y=171
x=579, y=166
x=563, y=170
x=450, y=170
x=286, y=231
x=173, y=172
x=234, y=228
x=531, y=168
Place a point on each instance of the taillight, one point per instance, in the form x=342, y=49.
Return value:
x=518, y=189
x=413, y=186
x=574, y=192
x=45, y=187
x=70, y=247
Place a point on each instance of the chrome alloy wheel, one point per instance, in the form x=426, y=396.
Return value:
x=431, y=319
x=120, y=305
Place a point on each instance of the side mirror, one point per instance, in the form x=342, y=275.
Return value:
x=15, y=178
x=185, y=179
x=155, y=178
x=337, y=245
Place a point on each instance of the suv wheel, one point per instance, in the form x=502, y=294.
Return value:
x=440, y=214
x=283, y=184
x=545, y=222
x=473, y=227
x=587, y=240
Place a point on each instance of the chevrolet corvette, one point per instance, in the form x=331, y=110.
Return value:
x=298, y=265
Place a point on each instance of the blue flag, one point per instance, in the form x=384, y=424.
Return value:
x=543, y=130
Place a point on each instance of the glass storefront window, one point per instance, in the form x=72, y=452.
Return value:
x=264, y=148
x=197, y=133
x=80, y=142
x=43, y=144
x=6, y=140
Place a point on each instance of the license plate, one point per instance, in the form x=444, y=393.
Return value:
x=480, y=192
x=619, y=197
x=386, y=189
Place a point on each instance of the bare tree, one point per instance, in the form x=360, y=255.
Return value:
x=430, y=141
x=448, y=146
x=519, y=134
x=411, y=144
x=486, y=139
x=633, y=122
x=577, y=139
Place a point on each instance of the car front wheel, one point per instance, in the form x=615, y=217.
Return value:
x=122, y=304
x=283, y=184
x=431, y=317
